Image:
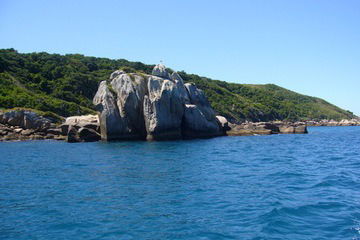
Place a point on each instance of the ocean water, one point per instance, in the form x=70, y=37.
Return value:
x=256, y=187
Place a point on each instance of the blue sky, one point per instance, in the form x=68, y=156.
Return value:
x=312, y=47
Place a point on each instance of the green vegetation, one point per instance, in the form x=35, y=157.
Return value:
x=264, y=102
x=66, y=84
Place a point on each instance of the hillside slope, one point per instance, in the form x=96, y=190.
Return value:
x=66, y=84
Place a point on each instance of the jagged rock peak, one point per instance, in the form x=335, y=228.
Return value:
x=155, y=107
x=160, y=71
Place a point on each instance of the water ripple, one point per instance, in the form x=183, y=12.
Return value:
x=256, y=187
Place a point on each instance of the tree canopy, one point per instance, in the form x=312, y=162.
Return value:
x=66, y=84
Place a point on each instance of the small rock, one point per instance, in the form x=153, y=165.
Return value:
x=18, y=130
x=64, y=129
x=27, y=132
x=301, y=129
x=54, y=131
x=60, y=138
x=36, y=137
x=88, y=135
x=285, y=129
x=72, y=135
x=224, y=123
x=49, y=136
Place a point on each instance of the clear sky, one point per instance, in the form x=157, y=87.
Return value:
x=309, y=46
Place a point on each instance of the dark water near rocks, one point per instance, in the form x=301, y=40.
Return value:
x=260, y=187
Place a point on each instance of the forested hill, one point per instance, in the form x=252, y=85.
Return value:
x=66, y=84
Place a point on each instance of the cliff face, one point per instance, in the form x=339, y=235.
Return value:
x=156, y=106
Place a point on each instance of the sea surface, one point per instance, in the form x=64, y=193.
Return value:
x=255, y=187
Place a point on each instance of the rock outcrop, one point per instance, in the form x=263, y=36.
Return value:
x=223, y=123
x=293, y=128
x=266, y=128
x=27, y=125
x=25, y=119
x=156, y=107
x=160, y=71
x=87, y=121
x=88, y=135
x=333, y=123
x=81, y=128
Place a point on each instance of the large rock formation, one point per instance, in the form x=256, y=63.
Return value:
x=156, y=107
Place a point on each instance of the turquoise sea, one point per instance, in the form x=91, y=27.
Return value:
x=256, y=187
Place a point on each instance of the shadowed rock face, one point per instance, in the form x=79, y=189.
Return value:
x=197, y=125
x=156, y=107
x=175, y=77
x=111, y=124
x=130, y=91
x=199, y=118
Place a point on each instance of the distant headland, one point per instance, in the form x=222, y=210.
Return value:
x=72, y=97
x=66, y=84
x=138, y=106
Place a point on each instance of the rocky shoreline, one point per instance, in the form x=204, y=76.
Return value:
x=266, y=128
x=333, y=123
x=22, y=125
x=137, y=106
x=27, y=125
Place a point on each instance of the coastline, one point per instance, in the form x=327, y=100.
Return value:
x=23, y=125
